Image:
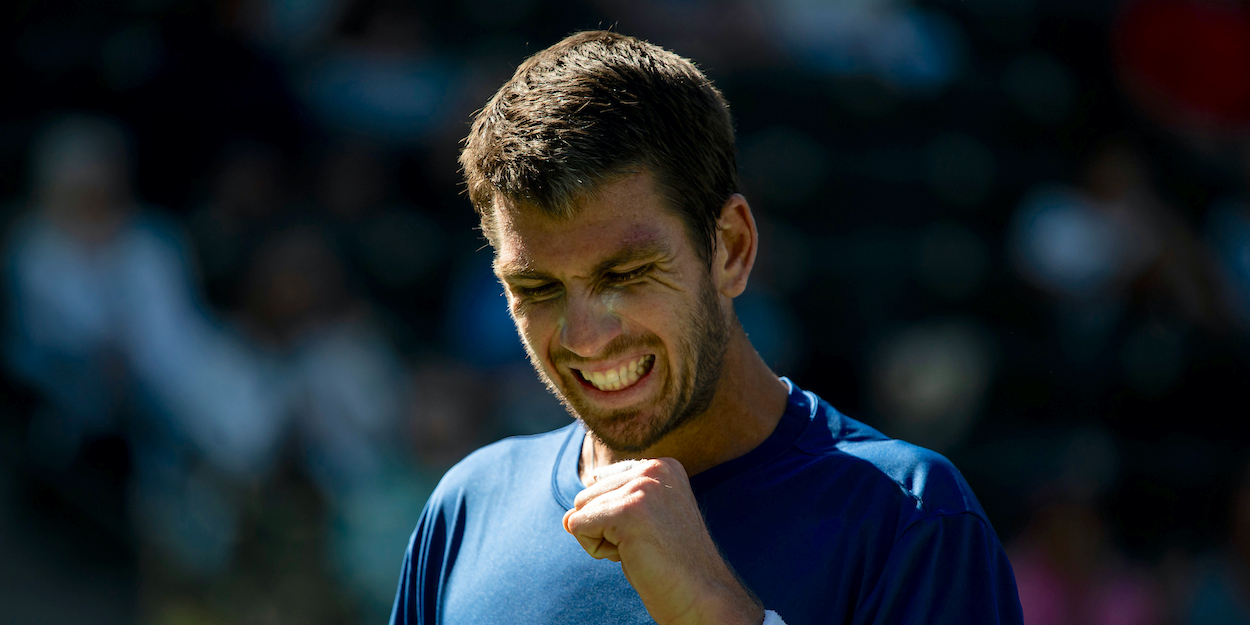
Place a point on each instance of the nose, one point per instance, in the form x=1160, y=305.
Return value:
x=588, y=325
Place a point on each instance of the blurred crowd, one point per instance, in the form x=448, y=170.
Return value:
x=248, y=322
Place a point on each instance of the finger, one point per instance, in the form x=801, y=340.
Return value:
x=599, y=548
x=591, y=521
x=614, y=468
x=589, y=534
x=606, y=484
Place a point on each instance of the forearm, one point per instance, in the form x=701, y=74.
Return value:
x=729, y=604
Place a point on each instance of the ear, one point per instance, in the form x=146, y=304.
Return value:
x=737, y=241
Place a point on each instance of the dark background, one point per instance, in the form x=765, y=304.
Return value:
x=1015, y=231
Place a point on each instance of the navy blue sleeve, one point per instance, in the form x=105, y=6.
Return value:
x=431, y=553
x=946, y=569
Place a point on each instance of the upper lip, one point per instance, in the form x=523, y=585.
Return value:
x=604, y=368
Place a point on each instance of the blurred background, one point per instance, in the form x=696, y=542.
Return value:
x=248, y=323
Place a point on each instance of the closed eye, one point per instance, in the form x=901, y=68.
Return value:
x=541, y=291
x=626, y=276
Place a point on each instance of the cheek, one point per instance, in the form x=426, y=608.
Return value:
x=614, y=302
x=648, y=311
x=536, y=327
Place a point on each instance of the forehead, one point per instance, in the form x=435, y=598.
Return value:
x=622, y=214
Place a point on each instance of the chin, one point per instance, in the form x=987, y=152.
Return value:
x=627, y=434
x=637, y=431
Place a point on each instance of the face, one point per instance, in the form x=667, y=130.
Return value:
x=617, y=312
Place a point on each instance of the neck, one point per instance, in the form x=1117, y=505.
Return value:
x=748, y=402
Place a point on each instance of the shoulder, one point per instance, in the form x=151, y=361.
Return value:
x=925, y=476
x=502, y=465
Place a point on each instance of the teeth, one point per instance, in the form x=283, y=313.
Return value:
x=623, y=377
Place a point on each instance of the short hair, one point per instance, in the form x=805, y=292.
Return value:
x=596, y=105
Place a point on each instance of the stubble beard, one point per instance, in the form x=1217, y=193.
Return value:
x=685, y=394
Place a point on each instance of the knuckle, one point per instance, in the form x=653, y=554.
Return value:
x=643, y=485
x=635, y=496
x=666, y=470
x=657, y=466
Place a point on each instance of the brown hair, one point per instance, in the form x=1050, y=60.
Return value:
x=596, y=105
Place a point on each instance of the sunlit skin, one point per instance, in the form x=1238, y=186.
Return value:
x=622, y=280
x=675, y=379
x=619, y=282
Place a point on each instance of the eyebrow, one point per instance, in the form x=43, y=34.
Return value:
x=650, y=250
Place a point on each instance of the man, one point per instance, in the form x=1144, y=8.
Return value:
x=604, y=175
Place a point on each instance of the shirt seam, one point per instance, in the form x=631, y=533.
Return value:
x=932, y=515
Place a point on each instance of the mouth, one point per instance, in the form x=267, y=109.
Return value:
x=617, y=378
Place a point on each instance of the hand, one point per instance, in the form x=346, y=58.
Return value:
x=645, y=516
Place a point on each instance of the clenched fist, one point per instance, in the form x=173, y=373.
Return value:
x=644, y=515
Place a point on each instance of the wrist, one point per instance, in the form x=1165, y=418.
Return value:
x=730, y=604
x=728, y=616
